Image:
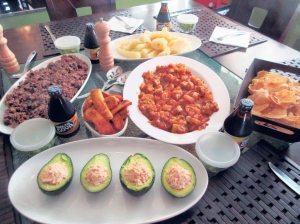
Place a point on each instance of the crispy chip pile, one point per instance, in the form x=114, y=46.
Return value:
x=276, y=98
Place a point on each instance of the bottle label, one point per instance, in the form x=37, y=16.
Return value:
x=93, y=54
x=160, y=26
x=67, y=127
x=241, y=141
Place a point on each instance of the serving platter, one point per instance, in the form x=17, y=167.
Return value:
x=194, y=41
x=114, y=204
x=8, y=130
x=220, y=94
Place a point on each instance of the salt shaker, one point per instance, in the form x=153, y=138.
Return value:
x=105, y=57
x=7, y=58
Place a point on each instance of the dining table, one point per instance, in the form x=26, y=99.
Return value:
x=248, y=192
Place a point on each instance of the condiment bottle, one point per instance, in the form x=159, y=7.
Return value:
x=91, y=46
x=62, y=113
x=106, y=58
x=239, y=124
x=163, y=17
x=7, y=58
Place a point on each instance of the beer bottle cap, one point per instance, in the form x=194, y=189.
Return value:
x=90, y=25
x=246, y=104
x=54, y=90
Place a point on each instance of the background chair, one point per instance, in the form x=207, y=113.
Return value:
x=21, y=19
x=123, y=4
x=63, y=9
x=272, y=15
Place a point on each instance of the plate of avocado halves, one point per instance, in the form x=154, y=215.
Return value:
x=108, y=180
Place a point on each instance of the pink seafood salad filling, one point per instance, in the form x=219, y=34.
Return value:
x=178, y=177
x=54, y=174
x=96, y=174
x=137, y=173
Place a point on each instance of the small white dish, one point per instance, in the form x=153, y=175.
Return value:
x=217, y=151
x=67, y=44
x=94, y=132
x=187, y=22
x=33, y=135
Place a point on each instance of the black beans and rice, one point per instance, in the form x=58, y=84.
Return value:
x=30, y=98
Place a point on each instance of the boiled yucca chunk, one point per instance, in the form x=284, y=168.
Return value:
x=179, y=45
x=159, y=44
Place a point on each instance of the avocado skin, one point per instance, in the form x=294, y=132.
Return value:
x=65, y=186
x=162, y=176
x=145, y=189
x=58, y=191
x=136, y=193
x=82, y=174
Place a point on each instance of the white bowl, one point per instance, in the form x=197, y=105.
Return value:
x=36, y=134
x=187, y=22
x=68, y=44
x=217, y=151
x=94, y=132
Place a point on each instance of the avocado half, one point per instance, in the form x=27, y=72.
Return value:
x=100, y=160
x=134, y=161
x=60, y=161
x=176, y=162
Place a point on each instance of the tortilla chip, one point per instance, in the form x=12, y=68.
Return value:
x=276, y=112
x=284, y=96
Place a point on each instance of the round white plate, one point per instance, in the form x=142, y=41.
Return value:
x=8, y=130
x=114, y=204
x=194, y=41
x=217, y=86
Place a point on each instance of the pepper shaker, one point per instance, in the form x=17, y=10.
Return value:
x=7, y=58
x=105, y=57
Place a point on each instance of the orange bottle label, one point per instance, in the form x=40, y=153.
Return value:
x=67, y=127
x=92, y=54
x=241, y=141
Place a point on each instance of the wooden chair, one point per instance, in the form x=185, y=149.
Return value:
x=279, y=13
x=63, y=9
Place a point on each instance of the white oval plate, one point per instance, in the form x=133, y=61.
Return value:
x=217, y=86
x=195, y=44
x=8, y=130
x=114, y=204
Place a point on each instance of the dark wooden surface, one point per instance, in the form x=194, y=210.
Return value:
x=25, y=39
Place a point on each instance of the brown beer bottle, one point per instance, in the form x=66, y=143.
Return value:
x=239, y=124
x=91, y=46
x=163, y=18
x=62, y=113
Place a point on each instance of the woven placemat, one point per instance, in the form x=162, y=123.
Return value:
x=208, y=20
x=248, y=192
x=76, y=27
x=294, y=63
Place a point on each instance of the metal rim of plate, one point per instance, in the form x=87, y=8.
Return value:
x=248, y=192
x=76, y=27
x=205, y=26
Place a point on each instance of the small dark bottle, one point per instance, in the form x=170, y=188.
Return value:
x=62, y=113
x=91, y=46
x=239, y=124
x=163, y=17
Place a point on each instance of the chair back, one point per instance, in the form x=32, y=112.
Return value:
x=63, y=9
x=269, y=17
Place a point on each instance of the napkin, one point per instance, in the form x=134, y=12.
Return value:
x=118, y=25
x=238, y=38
